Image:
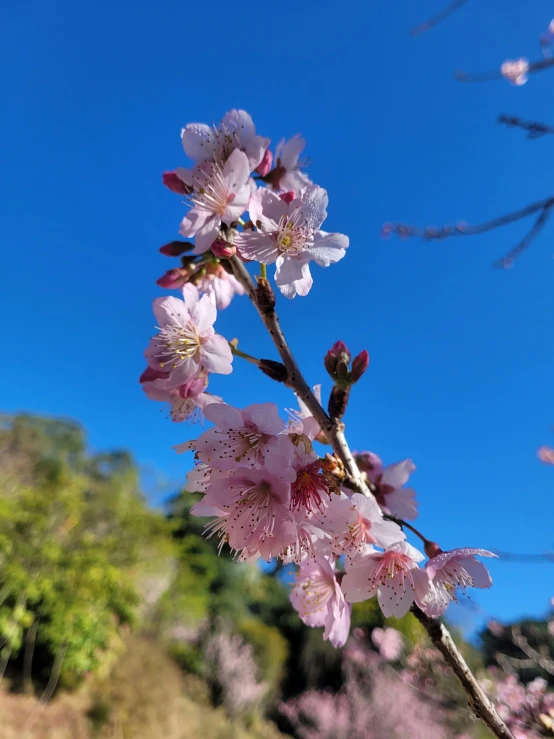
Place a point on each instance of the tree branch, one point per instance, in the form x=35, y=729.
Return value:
x=438, y=18
x=479, y=702
x=534, y=129
x=497, y=74
x=431, y=233
x=264, y=300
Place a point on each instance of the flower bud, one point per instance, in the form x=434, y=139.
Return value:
x=276, y=370
x=176, y=248
x=173, y=279
x=172, y=181
x=223, y=249
x=150, y=374
x=336, y=361
x=359, y=365
x=432, y=549
x=288, y=197
x=264, y=167
x=194, y=386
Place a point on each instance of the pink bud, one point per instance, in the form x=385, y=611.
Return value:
x=288, y=197
x=264, y=167
x=150, y=374
x=432, y=549
x=223, y=249
x=339, y=347
x=173, y=279
x=194, y=386
x=359, y=365
x=175, y=248
x=175, y=183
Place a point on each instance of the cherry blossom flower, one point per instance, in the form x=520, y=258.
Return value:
x=249, y=437
x=515, y=71
x=389, y=642
x=216, y=143
x=287, y=174
x=388, y=483
x=259, y=519
x=187, y=401
x=319, y=600
x=289, y=234
x=301, y=421
x=453, y=571
x=392, y=575
x=309, y=538
x=221, y=196
x=186, y=342
x=311, y=489
x=356, y=522
x=219, y=285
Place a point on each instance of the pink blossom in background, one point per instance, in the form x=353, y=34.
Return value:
x=453, y=571
x=216, y=143
x=249, y=437
x=546, y=454
x=232, y=667
x=515, y=71
x=392, y=575
x=186, y=342
x=289, y=234
x=220, y=196
x=356, y=522
x=319, y=600
x=259, y=519
x=389, y=642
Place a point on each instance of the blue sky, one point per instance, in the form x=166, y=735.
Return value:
x=462, y=355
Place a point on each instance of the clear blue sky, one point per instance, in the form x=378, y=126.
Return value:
x=94, y=97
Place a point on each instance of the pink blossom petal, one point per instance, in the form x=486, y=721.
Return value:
x=217, y=356
x=293, y=277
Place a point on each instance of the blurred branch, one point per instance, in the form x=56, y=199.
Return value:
x=497, y=74
x=479, y=702
x=542, y=660
x=430, y=233
x=48, y=690
x=534, y=129
x=434, y=20
x=525, y=558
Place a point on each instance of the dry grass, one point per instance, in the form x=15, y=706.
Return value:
x=146, y=697
x=21, y=718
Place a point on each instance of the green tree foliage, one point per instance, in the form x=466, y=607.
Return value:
x=73, y=528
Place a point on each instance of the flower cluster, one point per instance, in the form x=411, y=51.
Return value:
x=271, y=495
x=234, y=173
x=268, y=492
x=526, y=709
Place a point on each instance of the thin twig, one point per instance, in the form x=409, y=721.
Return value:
x=479, y=702
x=264, y=301
x=431, y=233
x=524, y=558
x=534, y=129
x=438, y=18
x=526, y=241
x=497, y=74
x=520, y=641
